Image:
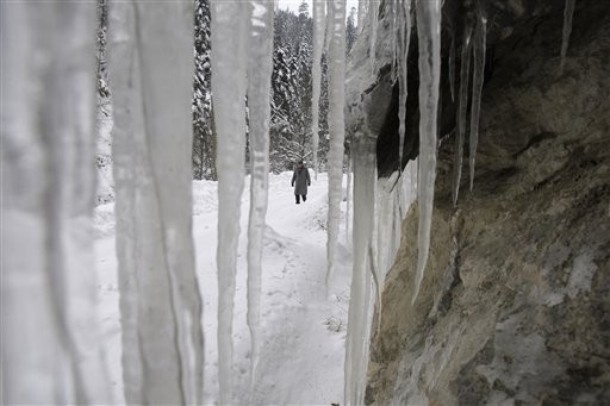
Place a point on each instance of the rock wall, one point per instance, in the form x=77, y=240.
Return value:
x=515, y=304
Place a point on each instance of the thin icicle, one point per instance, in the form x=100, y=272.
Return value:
x=373, y=9
x=365, y=178
x=404, y=29
x=429, y=37
x=229, y=65
x=336, y=122
x=568, y=14
x=462, y=109
x=361, y=14
x=478, y=77
x=394, y=29
x=261, y=66
x=451, y=62
x=348, y=195
x=319, y=24
x=329, y=25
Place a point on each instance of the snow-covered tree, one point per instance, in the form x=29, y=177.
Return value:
x=204, y=138
x=292, y=90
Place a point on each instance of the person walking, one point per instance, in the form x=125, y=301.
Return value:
x=300, y=181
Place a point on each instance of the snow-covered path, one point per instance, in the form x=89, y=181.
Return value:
x=303, y=327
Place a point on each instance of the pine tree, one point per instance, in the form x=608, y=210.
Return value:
x=204, y=142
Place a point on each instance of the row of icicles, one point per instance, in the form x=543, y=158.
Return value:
x=329, y=36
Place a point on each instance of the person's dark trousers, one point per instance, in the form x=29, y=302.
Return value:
x=297, y=197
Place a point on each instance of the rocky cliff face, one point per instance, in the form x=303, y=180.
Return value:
x=515, y=304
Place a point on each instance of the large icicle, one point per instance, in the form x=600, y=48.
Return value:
x=50, y=335
x=229, y=57
x=261, y=66
x=462, y=109
x=404, y=30
x=373, y=10
x=429, y=37
x=319, y=24
x=336, y=122
x=478, y=77
x=568, y=14
x=356, y=357
x=151, y=68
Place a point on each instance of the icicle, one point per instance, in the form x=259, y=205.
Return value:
x=452, y=65
x=348, y=195
x=429, y=37
x=151, y=75
x=329, y=25
x=261, y=66
x=319, y=23
x=229, y=65
x=394, y=29
x=462, y=109
x=478, y=77
x=361, y=14
x=568, y=13
x=365, y=178
x=373, y=9
x=336, y=122
x=404, y=29
x=50, y=334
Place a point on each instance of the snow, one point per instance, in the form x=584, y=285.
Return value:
x=303, y=329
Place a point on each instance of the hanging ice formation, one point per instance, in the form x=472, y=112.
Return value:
x=462, y=108
x=229, y=64
x=348, y=196
x=50, y=336
x=261, y=66
x=478, y=76
x=319, y=24
x=151, y=74
x=329, y=25
x=336, y=122
x=373, y=10
x=429, y=38
x=451, y=63
x=404, y=34
x=394, y=29
x=362, y=10
x=365, y=177
x=568, y=14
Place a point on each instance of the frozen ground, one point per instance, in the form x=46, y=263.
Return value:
x=303, y=343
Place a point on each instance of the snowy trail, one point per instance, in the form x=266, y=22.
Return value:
x=303, y=329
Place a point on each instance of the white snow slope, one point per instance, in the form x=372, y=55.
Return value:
x=303, y=328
